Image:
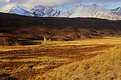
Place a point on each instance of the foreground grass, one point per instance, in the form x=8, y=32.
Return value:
x=101, y=67
x=93, y=59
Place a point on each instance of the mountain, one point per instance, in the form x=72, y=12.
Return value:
x=45, y=11
x=94, y=11
x=116, y=11
x=20, y=10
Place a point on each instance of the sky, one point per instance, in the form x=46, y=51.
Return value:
x=60, y=4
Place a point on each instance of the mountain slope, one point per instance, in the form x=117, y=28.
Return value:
x=20, y=10
x=94, y=10
x=116, y=11
x=45, y=11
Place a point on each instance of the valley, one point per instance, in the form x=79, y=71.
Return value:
x=33, y=48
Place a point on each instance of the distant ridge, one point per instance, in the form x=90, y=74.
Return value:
x=20, y=10
x=116, y=11
x=95, y=11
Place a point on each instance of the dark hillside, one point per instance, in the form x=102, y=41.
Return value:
x=67, y=29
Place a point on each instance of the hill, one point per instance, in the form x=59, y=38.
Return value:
x=56, y=29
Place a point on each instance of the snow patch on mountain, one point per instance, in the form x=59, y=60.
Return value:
x=116, y=11
x=45, y=11
x=92, y=11
x=20, y=10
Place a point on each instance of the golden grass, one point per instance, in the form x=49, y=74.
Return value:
x=88, y=42
x=92, y=59
x=105, y=41
x=101, y=67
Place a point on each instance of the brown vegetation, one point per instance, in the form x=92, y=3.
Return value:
x=57, y=29
x=34, y=48
x=62, y=58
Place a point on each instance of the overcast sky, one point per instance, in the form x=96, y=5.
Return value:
x=60, y=4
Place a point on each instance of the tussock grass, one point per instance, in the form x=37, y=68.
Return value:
x=93, y=59
x=101, y=67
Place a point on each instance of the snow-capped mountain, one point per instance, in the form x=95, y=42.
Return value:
x=45, y=11
x=95, y=11
x=20, y=10
x=92, y=11
x=116, y=11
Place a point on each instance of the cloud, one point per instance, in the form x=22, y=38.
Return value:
x=102, y=0
x=31, y=3
x=2, y=2
x=6, y=4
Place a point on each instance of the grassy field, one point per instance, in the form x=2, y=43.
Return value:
x=91, y=59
